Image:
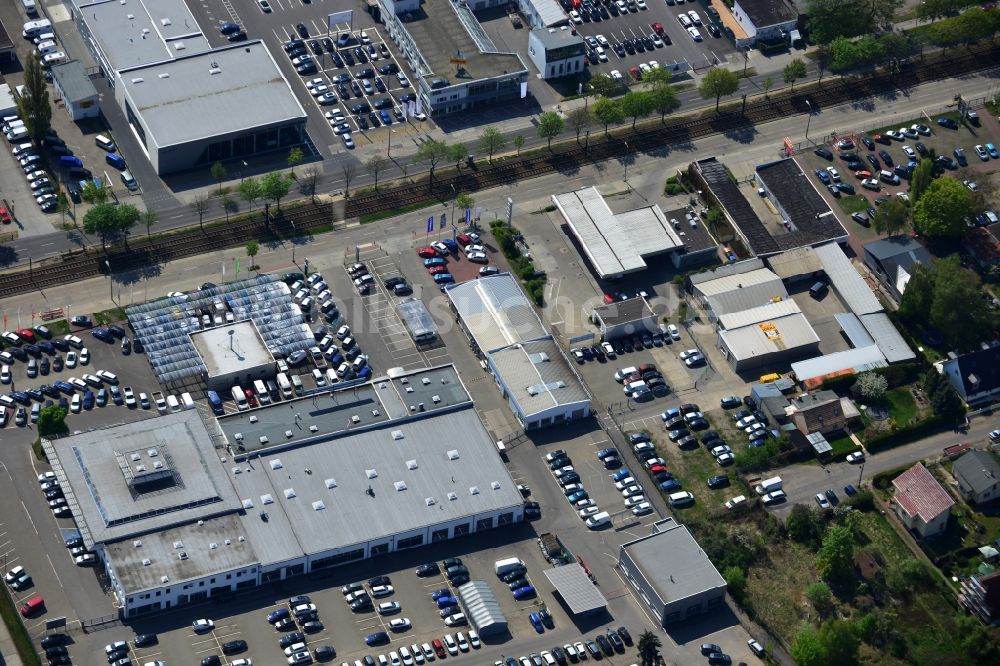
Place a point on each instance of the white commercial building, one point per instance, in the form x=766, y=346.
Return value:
x=233, y=354
x=771, y=335
x=556, y=52
x=736, y=287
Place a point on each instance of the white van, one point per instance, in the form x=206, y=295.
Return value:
x=598, y=520
x=682, y=498
x=13, y=124
x=508, y=564
x=768, y=485
x=30, y=8
x=240, y=399
x=54, y=59
x=187, y=400
x=172, y=404
x=262, y=395
x=284, y=386
x=44, y=37
x=297, y=384
x=47, y=47
x=632, y=387
x=34, y=28
x=104, y=143
x=622, y=373
x=331, y=376
x=17, y=134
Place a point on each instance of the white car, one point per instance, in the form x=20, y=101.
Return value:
x=635, y=500
x=114, y=647
x=47, y=477
x=685, y=20
x=823, y=502
x=609, y=350
x=348, y=141
x=834, y=174
x=474, y=247
x=695, y=19
x=74, y=405
x=73, y=341
x=726, y=459
x=575, y=17
x=202, y=626
x=971, y=184
x=389, y=608
x=585, y=503
x=588, y=512
x=399, y=624
x=84, y=356
x=143, y=401
x=70, y=359
x=478, y=257
x=603, y=41
x=688, y=353
x=382, y=591
x=5, y=376
x=474, y=639
x=37, y=175
x=313, y=83
x=719, y=450
x=85, y=560
x=859, y=456
x=616, y=75
x=695, y=35
x=734, y=502
x=912, y=154
x=625, y=483
x=428, y=651
x=463, y=643
x=774, y=497
x=642, y=508
x=450, y=644
x=632, y=491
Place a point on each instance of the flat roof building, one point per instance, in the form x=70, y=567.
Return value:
x=620, y=243
x=556, y=52
x=578, y=591
x=77, y=91
x=673, y=588
x=627, y=318
x=189, y=105
x=727, y=291
x=233, y=354
x=774, y=340
x=455, y=64
x=765, y=20
x=852, y=289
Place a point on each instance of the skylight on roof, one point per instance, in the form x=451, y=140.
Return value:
x=399, y=485
x=276, y=463
x=330, y=483
x=266, y=499
x=411, y=464
x=289, y=493
x=318, y=505
x=453, y=454
x=371, y=473
x=397, y=434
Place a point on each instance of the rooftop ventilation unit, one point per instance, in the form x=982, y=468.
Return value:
x=313, y=428
x=165, y=21
x=371, y=473
x=248, y=503
x=436, y=399
x=425, y=381
x=157, y=464
x=164, y=579
x=146, y=562
x=289, y=493
x=399, y=485
x=276, y=463
x=473, y=490
x=411, y=464
x=266, y=499
x=495, y=485
x=375, y=413
x=288, y=434
x=182, y=555
x=201, y=523
x=179, y=46
x=135, y=457
x=453, y=454
x=237, y=470
x=253, y=418
x=263, y=439
x=430, y=501
x=355, y=419
x=397, y=434
x=178, y=544
x=137, y=79
x=452, y=496
x=164, y=75
x=318, y=505
x=137, y=543
x=213, y=545
x=330, y=483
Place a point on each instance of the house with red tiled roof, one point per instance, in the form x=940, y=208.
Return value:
x=920, y=501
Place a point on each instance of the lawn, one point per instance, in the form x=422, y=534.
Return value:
x=902, y=406
x=853, y=203
x=59, y=327
x=842, y=446
x=109, y=316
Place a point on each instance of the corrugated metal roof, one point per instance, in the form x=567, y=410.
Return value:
x=759, y=314
x=795, y=262
x=853, y=329
x=575, y=587
x=538, y=376
x=850, y=286
x=889, y=340
x=743, y=291
x=482, y=608
x=780, y=334
x=857, y=360
x=549, y=12
x=738, y=268
x=496, y=311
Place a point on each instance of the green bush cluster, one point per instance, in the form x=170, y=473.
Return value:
x=18, y=633
x=904, y=434
x=524, y=268
x=673, y=187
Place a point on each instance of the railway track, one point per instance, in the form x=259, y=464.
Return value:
x=82, y=264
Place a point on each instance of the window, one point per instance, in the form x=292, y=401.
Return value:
x=439, y=535
x=461, y=530
x=229, y=576
x=340, y=558
x=410, y=542
x=201, y=583
x=484, y=524
x=506, y=518
x=380, y=549
x=212, y=581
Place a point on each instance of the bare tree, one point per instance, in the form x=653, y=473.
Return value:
x=309, y=181
x=348, y=170
x=200, y=205
x=376, y=165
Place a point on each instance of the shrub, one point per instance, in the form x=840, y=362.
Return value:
x=904, y=434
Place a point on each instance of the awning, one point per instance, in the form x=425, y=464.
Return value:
x=576, y=589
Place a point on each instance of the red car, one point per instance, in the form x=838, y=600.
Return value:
x=657, y=27
x=608, y=299
x=883, y=139
x=434, y=270
x=862, y=174
x=27, y=334
x=4, y=216
x=463, y=239
x=635, y=73
x=426, y=252
x=656, y=469
x=439, y=648
x=251, y=398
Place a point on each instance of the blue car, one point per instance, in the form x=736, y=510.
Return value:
x=366, y=373
x=849, y=489
x=102, y=335
x=525, y=593
x=46, y=347
x=445, y=602
x=669, y=414
x=577, y=496
x=443, y=592
x=621, y=474
x=823, y=176
x=336, y=359
x=88, y=399
x=386, y=118
x=65, y=387
x=450, y=244
x=229, y=28
x=536, y=622
x=992, y=150
x=605, y=453
x=21, y=397
x=378, y=638
x=436, y=261
x=947, y=122
x=277, y=615
x=444, y=278
x=670, y=485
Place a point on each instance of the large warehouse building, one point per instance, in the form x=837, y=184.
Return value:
x=737, y=287
x=528, y=365
x=176, y=518
x=770, y=335
x=189, y=105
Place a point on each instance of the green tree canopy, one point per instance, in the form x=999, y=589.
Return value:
x=942, y=209
x=550, y=125
x=52, y=421
x=250, y=190
x=829, y=19
x=490, y=141
x=578, y=119
x=892, y=217
x=820, y=596
x=804, y=525
x=664, y=99
x=835, y=560
x=112, y=223
x=841, y=642
x=457, y=153
x=432, y=152
x=649, y=646
x=637, y=104
x=275, y=186
x=717, y=82
x=794, y=71
x=33, y=103
x=603, y=85
x=807, y=648
x=921, y=178
x=607, y=112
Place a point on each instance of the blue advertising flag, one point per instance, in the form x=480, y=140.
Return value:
x=468, y=215
x=430, y=224
x=444, y=221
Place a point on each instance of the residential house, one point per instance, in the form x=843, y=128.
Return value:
x=893, y=260
x=980, y=595
x=920, y=501
x=976, y=375
x=822, y=412
x=978, y=476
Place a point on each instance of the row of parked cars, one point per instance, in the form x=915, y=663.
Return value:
x=297, y=614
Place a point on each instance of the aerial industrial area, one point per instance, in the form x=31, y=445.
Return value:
x=389, y=332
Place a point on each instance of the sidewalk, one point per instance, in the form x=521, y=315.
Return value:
x=8, y=654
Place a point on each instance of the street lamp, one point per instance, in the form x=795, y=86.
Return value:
x=809, y=120
x=626, y=162
x=111, y=282
x=241, y=170
x=454, y=196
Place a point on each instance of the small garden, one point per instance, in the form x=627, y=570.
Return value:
x=534, y=280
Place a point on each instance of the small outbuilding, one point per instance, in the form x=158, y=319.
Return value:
x=482, y=608
x=625, y=318
x=576, y=589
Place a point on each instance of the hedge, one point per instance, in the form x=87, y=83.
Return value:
x=18, y=634
x=904, y=434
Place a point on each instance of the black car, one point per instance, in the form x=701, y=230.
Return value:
x=116, y=331
x=718, y=481
x=291, y=639
x=532, y=510
x=616, y=641
x=211, y=660
x=33, y=350
x=102, y=335
x=60, y=344
x=514, y=574
x=145, y=640
x=292, y=44
x=302, y=30
x=328, y=45
x=886, y=157
x=869, y=144
x=54, y=640
x=56, y=651
x=382, y=103
x=233, y=647
x=126, y=346
x=605, y=645
x=316, y=47
x=365, y=73
x=459, y=579
x=874, y=161
x=325, y=653
x=379, y=580
x=709, y=648
x=348, y=58
x=719, y=659
x=238, y=36
x=861, y=219
x=389, y=68
x=429, y=569
x=360, y=54
x=546, y=618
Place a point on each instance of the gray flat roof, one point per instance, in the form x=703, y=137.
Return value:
x=495, y=311
x=776, y=334
x=889, y=340
x=616, y=243
x=232, y=348
x=685, y=573
x=575, y=587
x=436, y=468
x=230, y=89
x=623, y=312
x=218, y=545
x=342, y=409
x=856, y=360
x=134, y=32
x=759, y=314
x=795, y=262
x=73, y=81
x=742, y=291
x=143, y=476
x=811, y=218
x=538, y=377
x=850, y=286
x=441, y=36
x=852, y=327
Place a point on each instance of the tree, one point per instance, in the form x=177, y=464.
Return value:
x=228, y=204
x=946, y=403
x=603, y=85
x=63, y=205
x=52, y=421
x=736, y=582
x=840, y=642
x=957, y=308
x=578, y=119
x=253, y=247
x=101, y=219
x=218, y=171
x=835, y=560
x=892, y=217
x=794, y=71
x=33, y=103
x=250, y=190
x=375, y=165
x=457, y=153
x=275, y=185
x=490, y=141
x=767, y=84
x=295, y=157
x=464, y=201
x=921, y=178
x=636, y=104
x=823, y=58
x=93, y=194
x=908, y=575
x=872, y=386
x=807, y=648
x=608, y=112
x=347, y=170
x=518, y=142
x=804, y=525
x=149, y=218
x=820, y=596
x=663, y=97
x=200, y=205
x=431, y=151
x=126, y=217
x=550, y=125
x=649, y=646
x=309, y=182
x=718, y=82
x=829, y=19
x=942, y=209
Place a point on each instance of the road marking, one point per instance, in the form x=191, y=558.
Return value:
x=59, y=580
x=29, y=518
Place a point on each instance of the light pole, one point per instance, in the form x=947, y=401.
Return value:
x=111, y=282
x=388, y=149
x=241, y=170
x=625, y=178
x=860, y=474
x=454, y=195
x=809, y=119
